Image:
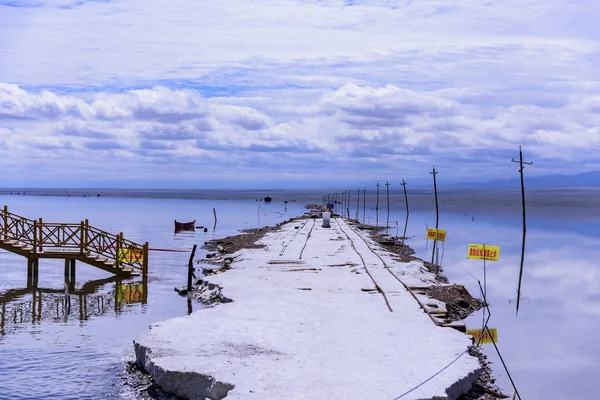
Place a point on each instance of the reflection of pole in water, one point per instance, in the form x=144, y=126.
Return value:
x=521, y=167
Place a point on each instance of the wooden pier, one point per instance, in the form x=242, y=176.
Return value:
x=35, y=239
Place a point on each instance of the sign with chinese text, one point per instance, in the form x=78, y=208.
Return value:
x=483, y=252
x=485, y=338
x=131, y=255
x=436, y=234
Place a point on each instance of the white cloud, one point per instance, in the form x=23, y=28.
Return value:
x=293, y=85
x=367, y=129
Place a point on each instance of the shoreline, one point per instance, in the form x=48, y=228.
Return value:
x=454, y=299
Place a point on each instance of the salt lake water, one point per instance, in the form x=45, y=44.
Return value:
x=48, y=354
x=550, y=348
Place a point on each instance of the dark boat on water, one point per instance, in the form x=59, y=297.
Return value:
x=267, y=199
x=185, y=226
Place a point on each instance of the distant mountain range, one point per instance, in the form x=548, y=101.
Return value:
x=585, y=179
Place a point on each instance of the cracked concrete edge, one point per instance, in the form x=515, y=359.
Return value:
x=184, y=384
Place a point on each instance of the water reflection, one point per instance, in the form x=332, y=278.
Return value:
x=552, y=337
x=32, y=305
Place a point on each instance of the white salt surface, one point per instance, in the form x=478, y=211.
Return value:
x=309, y=329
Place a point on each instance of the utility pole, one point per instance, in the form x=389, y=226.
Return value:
x=437, y=215
x=377, y=207
x=364, y=204
x=406, y=202
x=387, y=191
x=357, y=203
x=348, y=204
x=521, y=168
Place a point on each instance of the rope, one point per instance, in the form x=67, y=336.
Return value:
x=171, y=250
x=463, y=267
x=484, y=322
x=432, y=376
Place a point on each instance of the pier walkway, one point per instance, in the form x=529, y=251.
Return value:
x=317, y=313
x=36, y=239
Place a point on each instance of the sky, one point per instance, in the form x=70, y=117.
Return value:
x=254, y=93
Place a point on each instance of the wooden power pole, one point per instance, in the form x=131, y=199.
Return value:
x=387, y=191
x=377, y=207
x=437, y=214
x=405, y=202
x=521, y=167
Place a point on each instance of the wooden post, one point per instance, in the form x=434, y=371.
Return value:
x=5, y=219
x=81, y=237
x=191, y=269
x=145, y=274
x=36, y=265
x=41, y=236
x=215, y=214
x=145, y=262
x=29, y=272
x=87, y=234
x=35, y=236
x=72, y=274
x=118, y=254
x=67, y=281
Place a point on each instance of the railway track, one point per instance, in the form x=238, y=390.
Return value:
x=381, y=287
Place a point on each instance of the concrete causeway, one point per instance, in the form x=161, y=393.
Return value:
x=306, y=321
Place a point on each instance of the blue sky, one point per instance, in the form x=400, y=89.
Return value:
x=282, y=93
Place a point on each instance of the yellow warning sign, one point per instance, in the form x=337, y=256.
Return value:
x=131, y=255
x=436, y=234
x=486, y=338
x=483, y=252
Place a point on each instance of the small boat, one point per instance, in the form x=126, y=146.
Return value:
x=267, y=199
x=185, y=226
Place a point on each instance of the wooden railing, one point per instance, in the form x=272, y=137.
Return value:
x=43, y=237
